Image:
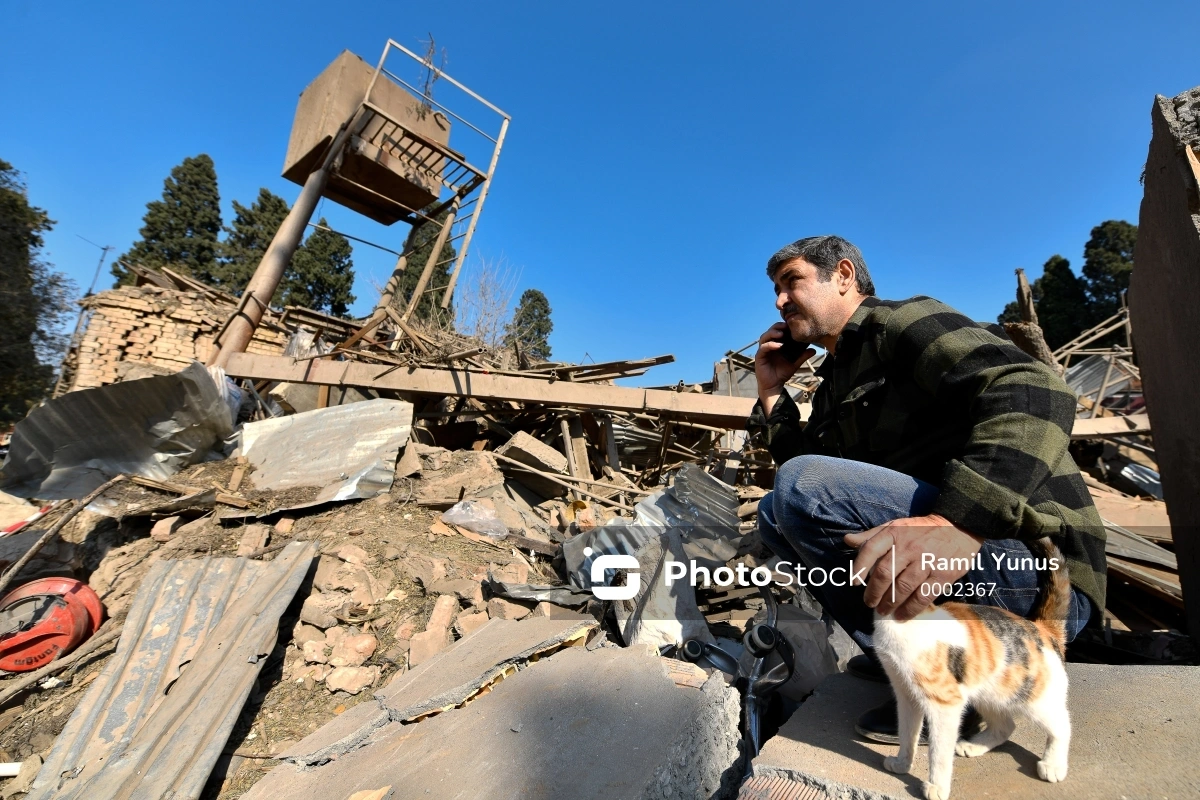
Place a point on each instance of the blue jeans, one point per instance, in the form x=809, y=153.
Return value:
x=818, y=500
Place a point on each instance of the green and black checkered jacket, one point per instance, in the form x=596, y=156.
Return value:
x=919, y=388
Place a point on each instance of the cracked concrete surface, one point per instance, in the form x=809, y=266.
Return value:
x=1125, y=743
x=453, y=676
x=602, y=724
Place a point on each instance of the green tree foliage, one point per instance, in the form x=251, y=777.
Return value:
x=1067, y=305
x=321, y=274
x=429, y=308
x=531, y=326
x=247, y=239
x=35, y=299
x=1107, y=265
x=1062, y=308
x=180, y=230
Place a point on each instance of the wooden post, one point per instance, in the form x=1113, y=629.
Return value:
x=568, y=451
x=426, y=273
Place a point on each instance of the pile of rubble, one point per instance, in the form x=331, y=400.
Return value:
x=366, y=540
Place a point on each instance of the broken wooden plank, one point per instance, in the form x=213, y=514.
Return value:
x=536, y=545
x=162, y=486
x=1098, y=427
x=235, y=480
x=1158, y=582
x=728, y=412
x=232, y=500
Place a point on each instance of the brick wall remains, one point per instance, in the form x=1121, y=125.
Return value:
x=140, y=330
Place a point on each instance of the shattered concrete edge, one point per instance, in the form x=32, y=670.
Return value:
x=692, y=768
x=461, y=694
x=451, y=698
x=832, y=789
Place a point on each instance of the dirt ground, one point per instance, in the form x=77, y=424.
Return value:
x=281, y=709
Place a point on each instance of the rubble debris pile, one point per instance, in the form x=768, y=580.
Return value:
x=366, y=555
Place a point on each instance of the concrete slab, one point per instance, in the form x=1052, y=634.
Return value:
x=1135, y=735
x=452, y=676
x=604, y=724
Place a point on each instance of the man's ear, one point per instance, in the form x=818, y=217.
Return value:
x=845, y=276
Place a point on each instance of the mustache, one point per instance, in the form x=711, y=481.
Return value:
x=788, y=308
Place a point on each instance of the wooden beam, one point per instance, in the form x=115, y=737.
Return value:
x=1098, y=427
x=726, y=412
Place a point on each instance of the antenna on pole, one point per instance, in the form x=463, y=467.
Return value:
x=103, y=255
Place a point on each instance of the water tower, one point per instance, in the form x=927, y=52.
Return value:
x=368, y=139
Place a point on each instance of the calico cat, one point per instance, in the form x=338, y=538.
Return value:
x=1005, y=666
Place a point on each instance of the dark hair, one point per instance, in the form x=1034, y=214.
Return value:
x=824, y=253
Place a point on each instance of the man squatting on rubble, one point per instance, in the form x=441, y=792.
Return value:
x=928, y=432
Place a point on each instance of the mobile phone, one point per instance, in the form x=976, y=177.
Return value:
x=792, y=350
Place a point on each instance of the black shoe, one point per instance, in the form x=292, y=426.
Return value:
x=881, y=724
x=867, y=668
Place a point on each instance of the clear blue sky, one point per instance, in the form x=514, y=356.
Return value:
x=659, y=152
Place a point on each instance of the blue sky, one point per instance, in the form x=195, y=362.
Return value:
x=658, y=153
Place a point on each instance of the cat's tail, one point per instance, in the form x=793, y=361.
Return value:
x=1055, y=601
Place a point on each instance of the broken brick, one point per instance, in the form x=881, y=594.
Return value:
x=162, y=530
x=499, y=608
x=352, y=651
x=466, y=624
x=464, y=589
x=351, y=679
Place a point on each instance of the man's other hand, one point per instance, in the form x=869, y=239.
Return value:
x=912, y=537
x=771, y=368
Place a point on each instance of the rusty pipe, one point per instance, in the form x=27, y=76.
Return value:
x=257, y=296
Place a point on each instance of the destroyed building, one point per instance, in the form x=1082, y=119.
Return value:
x=359, y=561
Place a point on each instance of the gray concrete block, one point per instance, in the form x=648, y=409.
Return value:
x=605, y=724
x=1134, y=735
x=528, y=450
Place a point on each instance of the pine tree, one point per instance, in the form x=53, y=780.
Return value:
x=1107, y=266
x=180, y=230
x=531, y=326
x=429, y=307
x=35, y=299
x=321, y=274
x=247, y=239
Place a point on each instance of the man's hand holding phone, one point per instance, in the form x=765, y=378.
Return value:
x=777, y=359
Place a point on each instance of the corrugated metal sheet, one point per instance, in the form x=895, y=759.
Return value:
x=775, y=787
x=151, y=427
x=155, y=721
x=349, y=450
x=1084, y=377
x=1146, y=479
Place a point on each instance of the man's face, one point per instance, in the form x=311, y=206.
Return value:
x=811, y=307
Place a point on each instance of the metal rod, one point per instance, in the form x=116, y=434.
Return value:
x=427, y=273
x=240, y=328
x=355, y=238
x=431, y=101
x=53, y=531
x=483, y=193
x=441, y=74
x=1100, y=392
